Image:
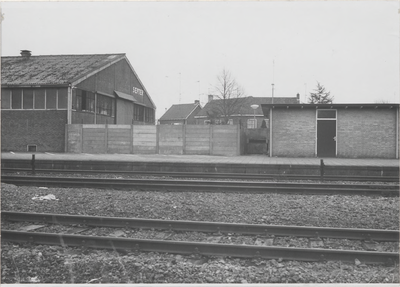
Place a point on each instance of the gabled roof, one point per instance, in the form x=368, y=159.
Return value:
x=179, y=112
x=245, y=108
x=53, y=69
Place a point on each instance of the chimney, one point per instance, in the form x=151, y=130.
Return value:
x=196, y=102
x=26, y=54
x=210, y=98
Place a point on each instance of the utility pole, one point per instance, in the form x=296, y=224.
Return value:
x=180, y=96
x=199, y=89
x=273, y=80
x=305, y=92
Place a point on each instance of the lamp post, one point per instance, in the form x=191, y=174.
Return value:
x=254, y=107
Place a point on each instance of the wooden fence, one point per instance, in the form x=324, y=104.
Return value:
x=161, y=139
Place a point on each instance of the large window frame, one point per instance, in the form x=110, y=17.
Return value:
x=83, y=101
x=34, y=99
x=105, y=105
x=138, y=113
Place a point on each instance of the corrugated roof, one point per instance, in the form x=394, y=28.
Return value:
x=52, y=69
x=246, y=109
x=178, y=112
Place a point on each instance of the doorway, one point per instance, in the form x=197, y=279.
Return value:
x=326, y=133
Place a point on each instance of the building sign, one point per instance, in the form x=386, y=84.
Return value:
x=137, y=91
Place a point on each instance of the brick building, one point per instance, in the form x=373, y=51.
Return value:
x=42, y=94
x=334, y=130
x=181, y=114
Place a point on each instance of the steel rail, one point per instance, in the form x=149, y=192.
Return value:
x=214, y=182
x=207, y=249
x=204, y=226
x=220, y=186
x=247, y=176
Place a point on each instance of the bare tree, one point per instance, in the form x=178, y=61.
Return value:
x=321, y=96
x=229, y=98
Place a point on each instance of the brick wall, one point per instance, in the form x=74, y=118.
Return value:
x=46, y=129
x=293, y=133
x=366, y=133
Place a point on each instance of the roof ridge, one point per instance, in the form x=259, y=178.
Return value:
x=57, y=55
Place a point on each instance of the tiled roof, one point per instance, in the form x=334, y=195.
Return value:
x=178, y=112
x=53, y=69
x=246, y=109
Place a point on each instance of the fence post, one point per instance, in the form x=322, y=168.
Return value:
x=322, y=169
x=81, y=137
x=238, y=145
x=33, y=164
x=184, y=139
x=211, y=130
x=106, y=137
x=158, y=127
x=131, y=139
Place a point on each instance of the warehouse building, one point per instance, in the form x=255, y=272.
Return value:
x=333, y=130
x=42, y=94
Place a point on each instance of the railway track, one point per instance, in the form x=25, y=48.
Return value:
x=242, y=176
x=201, y=185
x=201, y=248
x=202, y=226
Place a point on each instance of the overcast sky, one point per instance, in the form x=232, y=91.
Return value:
x=179, y=48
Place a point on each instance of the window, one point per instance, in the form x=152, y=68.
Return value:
x=76, y=100
x=62, y=98
x=138, y=113
x=251, y=123
x=83, y=101
x=31, y=148
x=40, y=99
x=105, y=105
x=149, y=115
x=16, y=99
x=5, y=99
x=32, y=98
x=51, y=99
x=87, y=101
x=326, y=114
x=28, y=99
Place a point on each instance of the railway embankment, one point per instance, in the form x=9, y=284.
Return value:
x=52, y=264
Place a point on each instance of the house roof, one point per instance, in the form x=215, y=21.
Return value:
x=53, y=69
x=179, y=112
x=246, y=108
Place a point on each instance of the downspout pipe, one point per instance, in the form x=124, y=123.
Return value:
x=270, y=132
x=69, y=106
x=397, y=132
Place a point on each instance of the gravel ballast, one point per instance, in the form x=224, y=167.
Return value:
x=49, y=264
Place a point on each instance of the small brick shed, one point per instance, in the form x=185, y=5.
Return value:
x=333, y=130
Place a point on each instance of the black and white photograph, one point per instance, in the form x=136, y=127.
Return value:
x=215, y=143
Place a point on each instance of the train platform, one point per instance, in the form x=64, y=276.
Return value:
x=206, y=159
x=259, y=164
